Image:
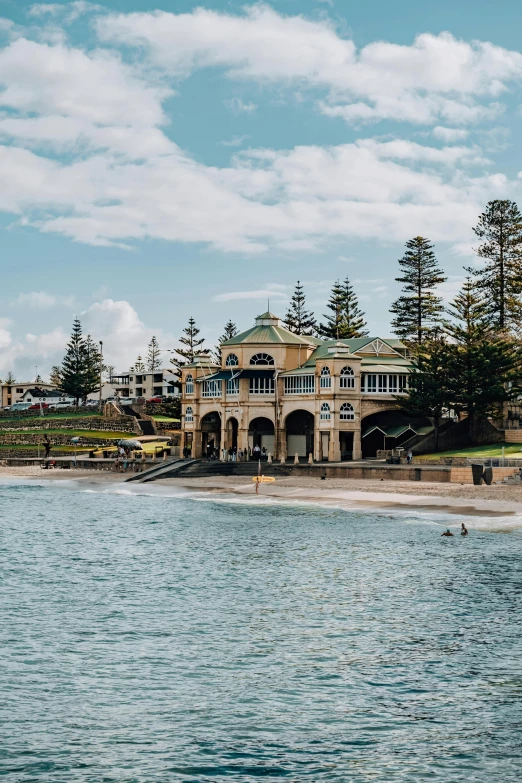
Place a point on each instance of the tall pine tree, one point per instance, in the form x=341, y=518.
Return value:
x=10, y=379
x=500, y=229
x=92, y=367
x=431, y=381
x=487, y=366
x=139, y=365
x=153, y=356
x=418, y=311
x=230, y=331
x=298, y=319
x=347, y=319
x=55, y=376
x=191, y=346
x=76, y=372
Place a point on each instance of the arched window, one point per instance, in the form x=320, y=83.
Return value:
x=189, y=384
x=231, y=360
x=347, y=378
x=189, y=414
x=347, y=412
x=325, y=412
x=326, y=380
x=262, y=358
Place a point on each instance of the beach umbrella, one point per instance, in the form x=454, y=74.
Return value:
x=131, y=444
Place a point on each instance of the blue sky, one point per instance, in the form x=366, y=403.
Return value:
x=164, y=160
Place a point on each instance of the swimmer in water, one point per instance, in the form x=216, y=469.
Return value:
x=447, y=533
x=463, y=530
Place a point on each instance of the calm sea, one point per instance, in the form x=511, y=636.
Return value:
x=160, y=637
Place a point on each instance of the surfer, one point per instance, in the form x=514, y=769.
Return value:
x=463, y=530
x=447, y=533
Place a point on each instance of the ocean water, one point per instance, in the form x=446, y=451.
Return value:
x=157, y=636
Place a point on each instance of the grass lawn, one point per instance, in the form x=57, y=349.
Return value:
x=73, y=433
x=165, y=418
x=512, y=450
x=32, y=447
x=48, y=416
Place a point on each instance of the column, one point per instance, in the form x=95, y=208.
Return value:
x=357, y=447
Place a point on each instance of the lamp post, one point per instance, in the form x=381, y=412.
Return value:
x=101, y=373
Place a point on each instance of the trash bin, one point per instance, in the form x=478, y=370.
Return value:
x=488, y=475
x=477, y=471
x=417, y=474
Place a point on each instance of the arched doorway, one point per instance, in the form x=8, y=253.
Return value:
x=232, y=428
x=261, y=433
x=211, y=435
x=299, y=434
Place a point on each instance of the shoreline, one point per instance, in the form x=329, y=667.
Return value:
x=494, y=502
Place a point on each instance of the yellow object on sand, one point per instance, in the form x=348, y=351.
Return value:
x=262, y=479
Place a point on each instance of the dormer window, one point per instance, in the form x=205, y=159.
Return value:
x=326, y=380
x=231, y=360
x=262, y=359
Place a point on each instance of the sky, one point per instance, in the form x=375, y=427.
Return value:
x=165, y=160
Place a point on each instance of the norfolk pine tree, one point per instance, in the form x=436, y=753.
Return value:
x=191, y=346
x=500, y=228
x=298, y=319
x=486, y=366
x=153, y=356
x=139, y=365
x=229, y=332
x=347, y=319
x=430, y=390
x=418, y=311
x=10, y=379
x=55, y=376
x=72, y=371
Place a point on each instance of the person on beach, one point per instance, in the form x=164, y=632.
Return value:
x=463, y=530
x=47, y=446
x=447, y=533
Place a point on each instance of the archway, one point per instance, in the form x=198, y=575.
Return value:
x=232, y=429
x=299, y=434
x=211, y=435
x=261, y=433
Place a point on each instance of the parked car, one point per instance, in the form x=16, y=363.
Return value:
x=154, y=400
x=38, y=406
x=20, y=406
x=92, y=403
x=60, y=405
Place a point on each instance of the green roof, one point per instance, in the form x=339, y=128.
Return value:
x=268, y=335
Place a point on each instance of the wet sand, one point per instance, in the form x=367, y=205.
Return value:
x=497, y=500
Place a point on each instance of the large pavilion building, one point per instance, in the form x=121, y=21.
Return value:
x=294, y=394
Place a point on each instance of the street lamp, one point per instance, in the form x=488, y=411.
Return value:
x=101, y=373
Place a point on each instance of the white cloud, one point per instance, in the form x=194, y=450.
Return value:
x=437, y=76
x=235, y=141
x=5, y=334
x=67, y=12
x=270, y=292
x=90, y=159
x=450, y=134
x=123, y=333
x=59, y=81
x=237, y=106
x=42, y=300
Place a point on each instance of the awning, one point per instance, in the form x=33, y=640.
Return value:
x=257, y=373
x=227, y=375
x=396, y=430
x=391, y=369
x=222, y=375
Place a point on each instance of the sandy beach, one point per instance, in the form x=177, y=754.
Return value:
x=497, y=500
